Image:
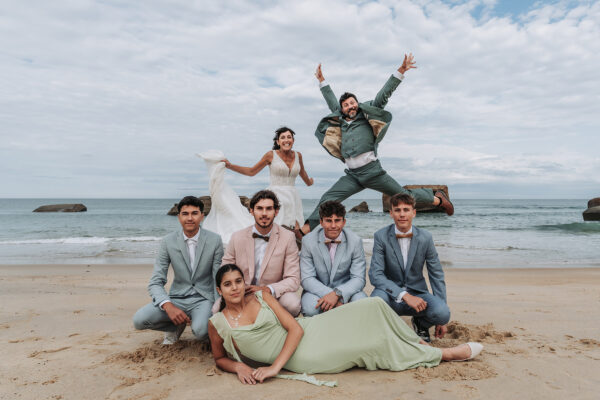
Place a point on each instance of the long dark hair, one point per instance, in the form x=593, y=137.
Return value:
x=278, y=133
x=219, y=278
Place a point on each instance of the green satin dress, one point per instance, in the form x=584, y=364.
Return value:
x=366, y=334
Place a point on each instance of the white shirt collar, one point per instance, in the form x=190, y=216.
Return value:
x=194, y=238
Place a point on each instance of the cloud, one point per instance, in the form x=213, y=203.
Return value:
x=140, y=88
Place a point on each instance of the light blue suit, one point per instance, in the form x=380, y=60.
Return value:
x=390, y=276
x=320, y=276
x=193, y=293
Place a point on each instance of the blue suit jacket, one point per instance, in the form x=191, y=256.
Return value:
x=388, y=272
x=174, y=251
x=347, y=273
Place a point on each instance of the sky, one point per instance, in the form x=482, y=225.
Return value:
x=113, y=99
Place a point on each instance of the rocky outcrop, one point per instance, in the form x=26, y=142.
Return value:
x=173, y=210
x=61, y=208
x=363, y=207
x=207, y=202
x=592, y=214
x=595, y=202
x=421, y=207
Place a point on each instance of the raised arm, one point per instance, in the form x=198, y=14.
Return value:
x=326, y=91
x=392, y=83
x=250, y=171
x=243, y=371
x=303, y=174
x=294, y=335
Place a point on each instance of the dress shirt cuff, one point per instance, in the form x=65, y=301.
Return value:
x=162, y=303
x=400, y=296
x=323, y=84
x=396, y=74
x=272, y=290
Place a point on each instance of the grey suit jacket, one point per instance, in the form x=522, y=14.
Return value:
x=347, y=273
x=388, y=272
x=174, y=251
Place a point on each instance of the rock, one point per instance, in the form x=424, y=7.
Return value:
x=207, y=202
x=592, y=214
x=363, y=207
x=421, y=207
x=595, y=202
x=61, y=208
x=245, y=201
x=173, y=210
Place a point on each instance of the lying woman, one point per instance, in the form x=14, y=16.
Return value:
x=365, y=333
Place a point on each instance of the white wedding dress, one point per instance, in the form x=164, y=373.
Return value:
x=283, y=184
x=228, y=215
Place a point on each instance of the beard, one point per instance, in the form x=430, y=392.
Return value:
x=264, y=224
x=352, y=111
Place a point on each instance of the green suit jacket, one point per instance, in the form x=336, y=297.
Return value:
x=329, y=130
x=173, y=251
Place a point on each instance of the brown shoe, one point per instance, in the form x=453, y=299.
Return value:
x=445, y=203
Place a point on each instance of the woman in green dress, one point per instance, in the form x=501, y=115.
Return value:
x=366, y=334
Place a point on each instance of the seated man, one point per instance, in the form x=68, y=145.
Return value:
x=195, y=255
x=267, y=254
x=332, y=263
x=399, y=252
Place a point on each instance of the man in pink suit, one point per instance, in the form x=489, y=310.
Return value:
x=267, y=253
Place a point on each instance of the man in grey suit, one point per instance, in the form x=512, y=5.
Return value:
x=332, y=263
x=195, y=255
x=399, y=252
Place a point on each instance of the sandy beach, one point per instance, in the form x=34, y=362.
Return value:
x=66, y=333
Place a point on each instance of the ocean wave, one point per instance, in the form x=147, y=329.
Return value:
x=575, y=227
x=83, y=240
x=462, y=246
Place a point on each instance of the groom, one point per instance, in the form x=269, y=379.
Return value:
x=195, y=255
x=351, y=133
x=400, y=251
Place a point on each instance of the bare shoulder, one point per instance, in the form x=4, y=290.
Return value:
x=268, y=156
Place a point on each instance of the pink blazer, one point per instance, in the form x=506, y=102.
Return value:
x=280, y=266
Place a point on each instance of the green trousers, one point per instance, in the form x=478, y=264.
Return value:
x=370, y=176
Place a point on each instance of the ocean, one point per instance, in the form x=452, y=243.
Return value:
x=481, y=234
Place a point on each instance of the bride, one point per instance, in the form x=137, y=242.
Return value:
x=229, y=215
x=285, y=165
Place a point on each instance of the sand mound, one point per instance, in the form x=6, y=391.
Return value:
x=475, y=333
x=159, y=359
x=459, y=333
x=590, y=342
x=456, y=371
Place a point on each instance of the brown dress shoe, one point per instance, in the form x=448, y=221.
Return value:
x=445, y=203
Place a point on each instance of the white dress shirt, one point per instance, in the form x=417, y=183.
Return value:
x=260, y=246
x=404, y=244
x=364, y=158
